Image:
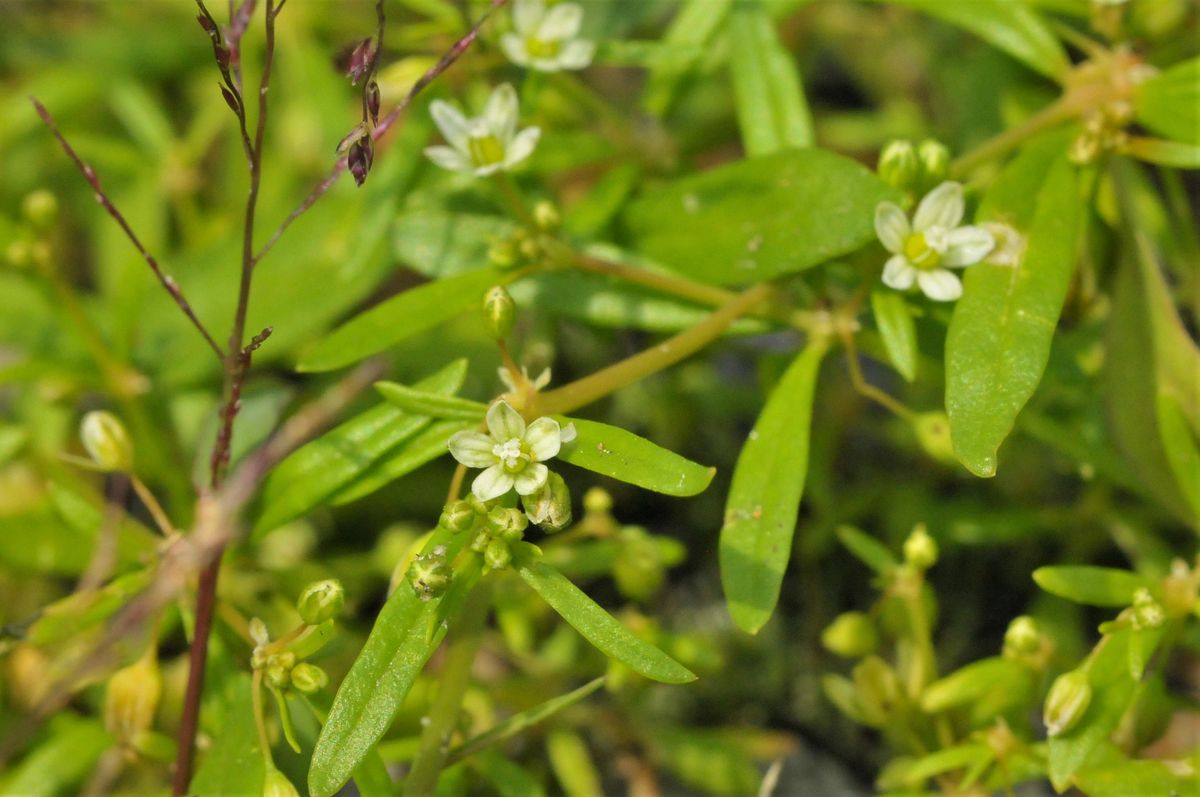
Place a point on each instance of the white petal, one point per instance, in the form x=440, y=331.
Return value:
x=576, y=54
x=967, y=246
x=527, y=15
x=492, y=483
x=941, y=207
x=522, y=146
x=531, y=478
x=891, y=225
x=449, y=158
x=940, y=285
x=898, y=273
x=544, y=438
x=501, y=112
x=451, y=122
x=472, y=449
x=567, y=434
x=504, y=423
x=561, y=22
x=514, y=48
x=491, y=168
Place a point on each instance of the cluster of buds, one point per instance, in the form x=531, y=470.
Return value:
x=319, y=603
x=358, y=146
x=914, y=168
x=39, y=212
x=528, y=244
x=502, y=527
x=1103, y=131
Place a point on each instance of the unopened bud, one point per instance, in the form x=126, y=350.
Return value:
x=549, y=507
x=278, y=670
x=934, y=157
x=40, y=209
x=276, y=784
x=502, y=252
x=429, y=574
x=360, y=59
x=1067, y=702
x=1084, y=149
x=258, y=631
x=1147, y=612
x=1022, y=638
x=898, y=166
x=132, y=698
x=309, y=678
x=106, y=441
x=458, y=516
x=545, y=215
x=497, y=556
x=920, y=550
x=499, y=312
x=851, y=635
x=597, y=501
x=1180, y=589
x=321, y=601
x=507, y=523
x=373, y=100
x=360, y=157
x=933, y=433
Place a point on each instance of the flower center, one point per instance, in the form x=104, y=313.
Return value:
x=512, y=455
x=923, y=250
x=542, y=48
x=485, y=150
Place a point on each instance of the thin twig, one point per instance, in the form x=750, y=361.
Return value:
x=90, y=175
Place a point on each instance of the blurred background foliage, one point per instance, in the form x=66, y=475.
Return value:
x=83, y=325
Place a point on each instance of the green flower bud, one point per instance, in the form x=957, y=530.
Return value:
x=851, y=635
x=309, y=678
x=321, y=601
x=1066, y=702
x=106, y=441
x=497, y=556
x=503, y=253
x=430, y=573
x=920, y=550
x=597, y=501
x=1022, y=639
x=40, y=209
x=1084, y=149
x=935, y=163
x=458, y=516
x=499, y=312
x=1147, y=612
x=546, y=216
x=877, y=688
x=1181, y=589
x=898, y=165
x=507, y=523
x=549, y=507
x=278, y=669
x=132, y=698
x=276, y=784
x=638, y=569
x=481, y=541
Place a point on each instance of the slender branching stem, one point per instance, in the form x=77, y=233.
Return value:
x=152, y=506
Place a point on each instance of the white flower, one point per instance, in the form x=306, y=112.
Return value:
x=923, y=252
x=482, y=145
x=546, y=39
x=511, y=453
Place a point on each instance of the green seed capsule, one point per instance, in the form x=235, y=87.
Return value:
x=106, y=441
x=898, y=165
x=508, y=523
x=321, y=601
x=458, y=516
x=550, y=507
x=499, y=312
x=920, y=550
x=1067, y=702
x=497, y=556
x=309, y=678
x=934, y=157
x=276, y=784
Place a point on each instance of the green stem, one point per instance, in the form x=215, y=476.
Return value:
x=608, y=380
x=260, y=722
x=447, y=705
x=1065, y=108
x=515, y=201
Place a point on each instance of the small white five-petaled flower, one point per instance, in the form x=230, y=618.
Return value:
x=485, y=144
x=922, y=252
x=510, y=453
x=547, y=39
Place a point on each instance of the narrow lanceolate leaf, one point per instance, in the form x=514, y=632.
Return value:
x=1169, y=103
x=423, y=402
x=315, y=472
x=1165, y=153
x=233, y=765
x=868, y=550
x=771, y=109
x=999, y=337
x=400, y=317
x=423, y=447
x=1179, y=444
x=760, y=515
x=1094, y=586
x=406, y=633
x=684, y=45
x=1012, y=27
x=898, y=330
x=759, y=218
x=594, y=623
x=614, y=452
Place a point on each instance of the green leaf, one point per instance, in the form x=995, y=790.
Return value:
x=234, y=763
x=1000, y=334
x=418, y=450
x=1165, y=153
x=313, y=474
x=760, y=218
x=622, y=455
x=1134, y=777
x=60, y=764
x=971, y=683
x=868, y=550
x=1007, y=26
x=79, y=611
x=572, y=764
x=764, y=499
x=1169, y=103
x=404, y=636
x=683, y=45
x=507, y=777
x=898, y=330
x=441, y=244
x=594, y=623
x=771, y=109
x=949, y=759
x=1092, y=586
x=436, y=405
x=705, y=760
x=1179, y=444
x=402, y=316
